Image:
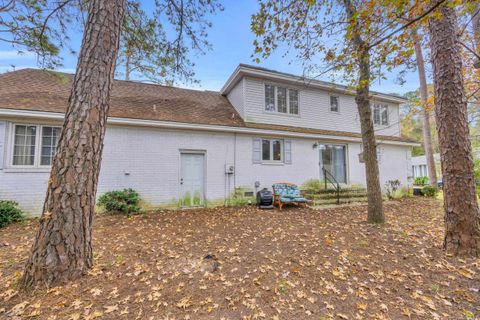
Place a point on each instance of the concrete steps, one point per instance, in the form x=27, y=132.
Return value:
x=329, y=196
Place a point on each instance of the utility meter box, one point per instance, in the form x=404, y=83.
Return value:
x=229, y=169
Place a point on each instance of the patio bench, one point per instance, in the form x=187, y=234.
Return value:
x=286, y=193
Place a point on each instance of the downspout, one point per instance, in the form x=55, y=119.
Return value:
x=235, y=160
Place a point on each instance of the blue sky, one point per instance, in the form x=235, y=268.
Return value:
x=231, y=41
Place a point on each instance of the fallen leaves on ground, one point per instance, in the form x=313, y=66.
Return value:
x=245, y=263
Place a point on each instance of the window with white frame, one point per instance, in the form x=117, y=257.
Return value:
x=293, y=101
x=281, y=99
x=50, y=137
x=380, y=114
x=272, y=150
x=24, y=142
x=269, y=98
x=34, y=145
x=334, y=103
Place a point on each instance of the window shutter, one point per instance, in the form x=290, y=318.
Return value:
x=3, y=127
x=257, y=150
x=287, y=147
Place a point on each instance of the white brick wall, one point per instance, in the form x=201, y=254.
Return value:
x=151, y=156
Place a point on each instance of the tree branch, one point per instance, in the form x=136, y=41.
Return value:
x=423, y=15
x=8, y=6
x=469, y=50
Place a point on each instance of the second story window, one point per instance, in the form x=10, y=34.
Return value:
x=334, y=103
x=269, y=98
x=293, y=101
x=380, y=114
x=281, y=99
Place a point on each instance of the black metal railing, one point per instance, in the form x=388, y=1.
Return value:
x=328, y=177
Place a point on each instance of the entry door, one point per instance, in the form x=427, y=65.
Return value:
x=192, y=178
x=332, y=158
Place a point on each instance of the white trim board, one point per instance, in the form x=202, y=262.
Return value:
x=191, y=126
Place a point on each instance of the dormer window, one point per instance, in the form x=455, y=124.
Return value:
x=334, y=103
x=281, y=99
x=380, y=114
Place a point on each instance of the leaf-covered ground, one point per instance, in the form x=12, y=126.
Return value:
x=243, y=263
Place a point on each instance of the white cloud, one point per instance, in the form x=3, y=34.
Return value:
x=14, y=54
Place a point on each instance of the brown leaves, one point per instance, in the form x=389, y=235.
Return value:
x=294, y=264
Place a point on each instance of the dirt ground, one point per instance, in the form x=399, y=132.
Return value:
x=244, y=263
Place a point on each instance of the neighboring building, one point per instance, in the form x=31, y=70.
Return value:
x=181, y=146
x=419, y=164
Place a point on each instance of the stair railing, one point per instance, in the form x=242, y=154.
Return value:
x=328, y=177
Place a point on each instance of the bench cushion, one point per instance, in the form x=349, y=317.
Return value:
x=288, y=193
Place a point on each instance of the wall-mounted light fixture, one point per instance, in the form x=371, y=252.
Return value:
x=315, y=145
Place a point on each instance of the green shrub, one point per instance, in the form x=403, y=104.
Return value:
x=404, y=192
x=391, y=187
x=430, y=191
x=238, y=197
x=313, y=185
x=421, y=181
x=120, y=201
x=9, y=212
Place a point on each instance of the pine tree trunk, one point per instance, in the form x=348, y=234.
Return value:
x=62, y=250
x=362, y=98
x=374, y=191
x=462, y=218
x=427, y=135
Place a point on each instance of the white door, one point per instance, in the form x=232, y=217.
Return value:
x=192, y=180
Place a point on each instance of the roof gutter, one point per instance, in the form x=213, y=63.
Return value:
x=13, y=113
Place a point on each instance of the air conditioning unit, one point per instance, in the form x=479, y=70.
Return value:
x=229, y=169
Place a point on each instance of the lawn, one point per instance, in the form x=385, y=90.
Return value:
x=243, y=263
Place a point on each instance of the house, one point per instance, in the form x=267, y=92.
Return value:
x=189, y=147
x=419, y=165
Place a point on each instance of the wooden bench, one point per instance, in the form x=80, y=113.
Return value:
x=286, y=193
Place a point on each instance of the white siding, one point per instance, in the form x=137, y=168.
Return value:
x=236, y=97
x=314, y=105
x=393, y=164
x=148, y=160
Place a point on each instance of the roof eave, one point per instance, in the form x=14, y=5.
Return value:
x=44, y=115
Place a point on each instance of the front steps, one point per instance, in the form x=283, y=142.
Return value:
x=329, y=196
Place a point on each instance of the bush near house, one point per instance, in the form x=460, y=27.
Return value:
x=430, y=191
x=239, y=197
x=391, y=188
x=9, y=213
x=125, y=201
x=421, y=181
x=313, y=186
